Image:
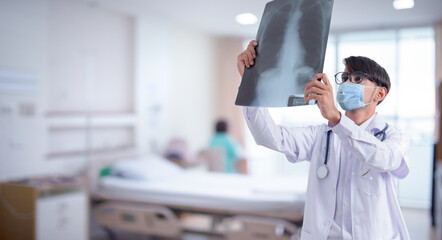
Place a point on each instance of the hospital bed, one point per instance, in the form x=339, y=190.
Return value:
x=172, y=201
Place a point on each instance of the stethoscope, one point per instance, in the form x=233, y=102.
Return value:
x=322, y=171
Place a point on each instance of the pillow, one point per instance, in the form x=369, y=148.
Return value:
x=106, y=171
x=146, y=168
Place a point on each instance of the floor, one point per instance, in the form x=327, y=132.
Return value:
x=418, y=222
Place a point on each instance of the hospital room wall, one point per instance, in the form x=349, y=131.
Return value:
x=37, y=37
x=23, y=47
x=177, y=72
x=176, y=81
x=228, y=87
x=27, y=30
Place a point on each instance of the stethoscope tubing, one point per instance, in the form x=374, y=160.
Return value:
x=326, y=148
x=382, y=132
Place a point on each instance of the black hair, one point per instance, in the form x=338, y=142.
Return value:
x=221, y=126
x=375, y=72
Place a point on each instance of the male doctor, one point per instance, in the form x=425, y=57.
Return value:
x=356, y=160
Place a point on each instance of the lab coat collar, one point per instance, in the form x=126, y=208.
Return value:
x=377, y=124
x=328, y=127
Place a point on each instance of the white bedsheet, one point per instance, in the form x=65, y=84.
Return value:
x=218, y=191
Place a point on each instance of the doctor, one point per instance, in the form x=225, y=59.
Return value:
x=356, y=160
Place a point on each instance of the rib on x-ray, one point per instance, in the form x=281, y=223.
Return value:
x=292, y=38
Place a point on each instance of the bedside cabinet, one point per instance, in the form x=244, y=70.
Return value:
x=44, y=209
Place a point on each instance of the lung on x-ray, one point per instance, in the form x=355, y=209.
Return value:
x=292, y=39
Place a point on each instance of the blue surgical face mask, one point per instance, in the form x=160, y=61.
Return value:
x=351, y=96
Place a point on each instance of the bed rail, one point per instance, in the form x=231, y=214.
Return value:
x=259, y=228
x=141, y=219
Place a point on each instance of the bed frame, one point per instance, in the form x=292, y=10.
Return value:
x=130, y=215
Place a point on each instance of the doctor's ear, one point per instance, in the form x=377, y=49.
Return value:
x=381, y=94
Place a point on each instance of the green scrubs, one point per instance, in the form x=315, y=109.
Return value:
x=230, y=146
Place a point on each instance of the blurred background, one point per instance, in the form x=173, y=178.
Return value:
x=83, y=78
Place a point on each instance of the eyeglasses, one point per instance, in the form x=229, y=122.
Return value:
x=355, y=77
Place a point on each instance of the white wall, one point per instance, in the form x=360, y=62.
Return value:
x=151, y=78
x=175, y=83
x=90, y=59
x=177, y=77
x=230, y=81
x=193, y=86
x=23, y=47
x=90, y=100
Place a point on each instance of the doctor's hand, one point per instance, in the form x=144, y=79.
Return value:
x=322, y=92
x=246, y=58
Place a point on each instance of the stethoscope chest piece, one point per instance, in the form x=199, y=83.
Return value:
x=322, y=171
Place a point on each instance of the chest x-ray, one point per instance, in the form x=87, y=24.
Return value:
x=292, y=39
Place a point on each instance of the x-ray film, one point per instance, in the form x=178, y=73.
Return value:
x=292, y=39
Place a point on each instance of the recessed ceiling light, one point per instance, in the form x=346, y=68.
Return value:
x=246, y=19
x=403, y=4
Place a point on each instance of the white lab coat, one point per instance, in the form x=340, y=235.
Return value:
x=375, y=211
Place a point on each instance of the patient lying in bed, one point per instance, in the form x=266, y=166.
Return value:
x=145, y=168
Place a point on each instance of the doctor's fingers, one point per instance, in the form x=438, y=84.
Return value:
x=324, y=78
x=250, y=56
x=243, y=57
x=314, y=90
x=240, y=65
x=322, y=99
x=251, y=52
x=318, y=98
x=315, y=83
x=251, y=47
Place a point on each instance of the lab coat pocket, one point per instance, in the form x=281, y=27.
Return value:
x=368, y=182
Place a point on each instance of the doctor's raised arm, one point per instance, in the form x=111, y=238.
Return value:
x=297, y=146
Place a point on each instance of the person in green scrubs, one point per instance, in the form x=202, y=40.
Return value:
x=232, y=149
